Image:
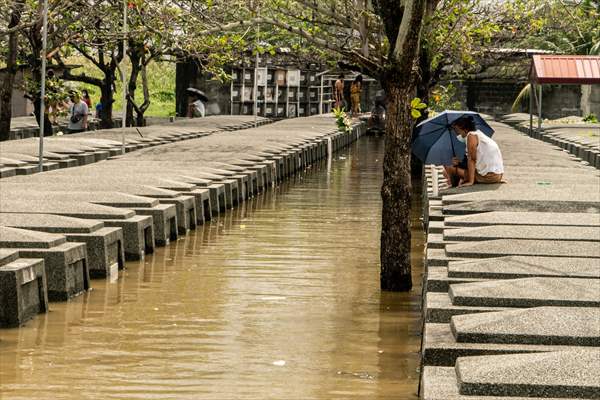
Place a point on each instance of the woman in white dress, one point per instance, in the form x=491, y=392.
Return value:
x=484, y=159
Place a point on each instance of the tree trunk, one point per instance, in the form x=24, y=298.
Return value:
x=399, y=80
x=396, y=188
x=139, y=119
x=106, y=90
x=10, y=72
x=186, y=73
x=132, y=84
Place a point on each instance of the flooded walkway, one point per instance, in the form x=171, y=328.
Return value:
x=278, y=299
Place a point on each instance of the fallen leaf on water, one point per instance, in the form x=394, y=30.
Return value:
x=279, y=363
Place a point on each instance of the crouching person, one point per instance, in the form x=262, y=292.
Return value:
x=483, y=162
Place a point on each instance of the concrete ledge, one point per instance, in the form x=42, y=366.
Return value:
x=138, y=235
x=440, y=348
x=105, y=246
x=440, y=383
x=553, y=374
x=439, y=308
x=23, y=291
x=105, y=250
x=437, y=280
x=66, y=268
x=512, y=267
x=564, y=326
x=164, y=219
x=528, y=292
x=186, y=212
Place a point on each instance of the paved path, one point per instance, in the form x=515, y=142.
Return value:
x=512, y=305
x=20, y=157
x=580, y=139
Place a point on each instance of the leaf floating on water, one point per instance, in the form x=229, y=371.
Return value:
x=279, y=363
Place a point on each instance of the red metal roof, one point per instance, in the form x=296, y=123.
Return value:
x=575, y=70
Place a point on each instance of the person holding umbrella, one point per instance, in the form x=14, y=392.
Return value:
x=196, y=101
x=484, y=158
x=451, y=136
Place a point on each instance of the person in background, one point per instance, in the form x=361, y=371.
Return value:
x=85, y=96
x=355, y=90
x=483, y=162
x=338, y=94
x=99, y=109
x=78, y=114
x=377, y=121
x=196, y=108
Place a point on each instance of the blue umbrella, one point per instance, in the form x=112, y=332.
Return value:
x=435, y=142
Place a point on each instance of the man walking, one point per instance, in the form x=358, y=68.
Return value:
x=78, y=114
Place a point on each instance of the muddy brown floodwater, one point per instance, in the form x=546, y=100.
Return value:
x=278, y=299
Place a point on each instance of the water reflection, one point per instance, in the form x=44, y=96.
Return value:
x=276, y=299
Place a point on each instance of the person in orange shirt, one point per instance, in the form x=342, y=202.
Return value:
x=355, y=90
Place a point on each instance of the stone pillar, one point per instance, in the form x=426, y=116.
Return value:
x=590, y=100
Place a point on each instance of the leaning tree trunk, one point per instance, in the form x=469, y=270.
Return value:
x=134, y=57
x=396, y=189
x=131, y=88
x=10, y=72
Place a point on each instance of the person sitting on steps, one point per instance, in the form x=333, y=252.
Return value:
x=483, y=159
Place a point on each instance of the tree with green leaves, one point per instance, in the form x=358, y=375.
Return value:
x=561, y=26
x=21, y=25
x=15, y=11
x=406, y=46
x=164, y=32
x=380, y=38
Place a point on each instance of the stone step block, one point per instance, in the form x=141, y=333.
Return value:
x=8, y=255
x=440, y=348
x=565, y=326
x=532, y=232
x=164, y=221
x=23, y=291
x=527, y=292
x=65, y=263
x=437, y=280
x=548, y=206
x=523, y=218
x=523, y=247
x=511, y=267
x=440, y=383
x=552, y=374
x=439, y=308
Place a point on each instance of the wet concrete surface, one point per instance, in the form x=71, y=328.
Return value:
x=276, y=299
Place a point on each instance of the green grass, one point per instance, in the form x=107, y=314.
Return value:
x=161, y=82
